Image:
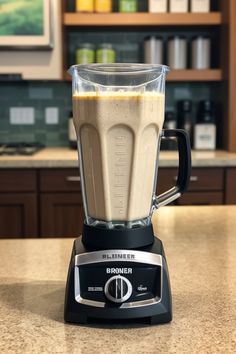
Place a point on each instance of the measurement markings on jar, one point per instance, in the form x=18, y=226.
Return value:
x=120, y=173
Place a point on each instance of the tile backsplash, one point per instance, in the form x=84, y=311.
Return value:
x=47, y=98
x=44, y=98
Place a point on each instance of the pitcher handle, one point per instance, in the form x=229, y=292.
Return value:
x=184, y=151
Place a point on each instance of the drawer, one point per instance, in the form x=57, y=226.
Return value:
x=60, y=180
x=202, y=198
x=202, y=179
x=14, y=180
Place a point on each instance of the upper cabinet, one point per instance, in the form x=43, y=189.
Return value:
x=40, y=62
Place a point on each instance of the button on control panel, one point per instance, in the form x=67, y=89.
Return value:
x=118, y=289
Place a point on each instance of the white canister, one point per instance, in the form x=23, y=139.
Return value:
x=201, y=53
x=177, y=53
x=153, y=50
x=178, y=5
x=158, y=6
x=200, y=5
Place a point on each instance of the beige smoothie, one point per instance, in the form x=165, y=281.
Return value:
x=118, y=132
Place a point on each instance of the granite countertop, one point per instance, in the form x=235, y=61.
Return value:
x=200, y=245
x=65, y=157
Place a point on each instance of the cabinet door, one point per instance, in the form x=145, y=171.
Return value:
x=206, y=185
x=230, y=195
x=61, y=215
x=18, y=215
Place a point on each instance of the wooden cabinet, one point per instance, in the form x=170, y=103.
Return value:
x=206, y=185
x=60, y=203
x=230, y=193
x=48, y=202
x=18, y=204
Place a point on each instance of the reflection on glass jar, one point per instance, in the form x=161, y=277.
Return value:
x=85, y=54
x=106, y=54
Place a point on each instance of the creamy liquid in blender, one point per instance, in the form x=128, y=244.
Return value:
x=118, y=134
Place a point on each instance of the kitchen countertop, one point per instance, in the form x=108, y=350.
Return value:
x=200, y=244
x=65, y=157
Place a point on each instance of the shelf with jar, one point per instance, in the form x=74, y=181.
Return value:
x=219, y=23
x=98, y=15
x=192, y=56
x=149, y=6
x=185, y=75
x=141, y=19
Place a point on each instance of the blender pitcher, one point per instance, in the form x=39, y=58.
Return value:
x=118, y=113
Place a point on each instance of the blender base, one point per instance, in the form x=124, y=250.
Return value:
x=118, y=284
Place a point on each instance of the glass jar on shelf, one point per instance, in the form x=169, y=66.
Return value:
x=179, y=6
x=158, y=6
x=128, y=6
x=177, y=53
x=103, y=6
x=106, y=54
x=200, y=6
x=85, y=54
x=84, y=5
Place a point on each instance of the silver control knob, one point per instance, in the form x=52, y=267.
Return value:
x=118, y=289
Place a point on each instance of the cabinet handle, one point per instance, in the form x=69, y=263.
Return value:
x=73, y=179
x=192, y=178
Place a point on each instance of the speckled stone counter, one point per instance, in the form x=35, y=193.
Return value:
x=64, y=157
x=200, y=244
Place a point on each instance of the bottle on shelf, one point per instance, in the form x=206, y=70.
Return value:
x=205, y=128
x=153, y=50
x=85, y=54
x=158, y=6
x=177, y=53
x=84, y=5
x=106, y=54
x=201, y=53
x=200, y=6
x=185, y=117
x=128, y=5
x=178, y=5
x=103, y=6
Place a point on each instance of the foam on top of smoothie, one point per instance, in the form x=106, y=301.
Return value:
x=118, y=95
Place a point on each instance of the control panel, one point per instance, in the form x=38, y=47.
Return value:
x=116, y=283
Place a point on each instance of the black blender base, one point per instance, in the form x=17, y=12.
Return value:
x=89, y=271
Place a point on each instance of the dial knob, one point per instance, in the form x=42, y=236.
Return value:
x=118, y=289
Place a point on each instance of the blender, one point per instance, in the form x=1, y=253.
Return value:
x=118, y=268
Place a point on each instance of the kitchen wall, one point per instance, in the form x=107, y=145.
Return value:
x=44, y=94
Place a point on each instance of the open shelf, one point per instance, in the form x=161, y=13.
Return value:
x=142, y=19
x=185, y=75
x=195, y=75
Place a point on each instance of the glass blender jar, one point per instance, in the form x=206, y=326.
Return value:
x=118, y=112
